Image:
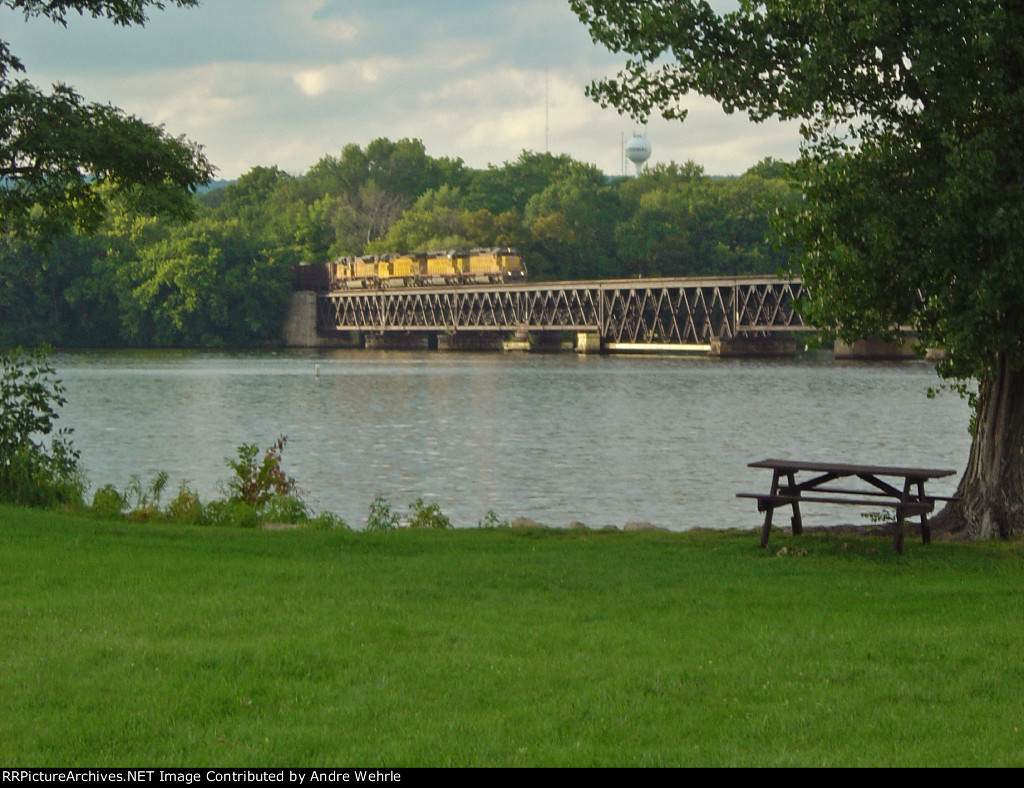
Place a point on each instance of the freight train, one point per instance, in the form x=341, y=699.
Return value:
x=452, y=267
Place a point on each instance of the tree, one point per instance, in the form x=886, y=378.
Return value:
x=354, y=222
x=433, y=222
x=655, y=240
x=912, y=167
x=38, y=464
x=54, y=295
x=511, y=186
x=680, y=222
x=404, y=168
x=57, y=150
x=572, y=223
x=208, y=284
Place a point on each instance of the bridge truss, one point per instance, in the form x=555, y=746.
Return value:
x=678, y=312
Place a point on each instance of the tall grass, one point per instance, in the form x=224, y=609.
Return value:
x=156, y=644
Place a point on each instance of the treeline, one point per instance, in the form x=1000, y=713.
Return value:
x=223, y=279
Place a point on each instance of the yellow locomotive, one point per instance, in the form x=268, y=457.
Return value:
x=452, y=267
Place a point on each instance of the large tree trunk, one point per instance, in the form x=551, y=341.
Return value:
x=991, y=491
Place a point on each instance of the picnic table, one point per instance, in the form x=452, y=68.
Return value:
x=908, y=499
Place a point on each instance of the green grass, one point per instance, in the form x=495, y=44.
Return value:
x=162, y=645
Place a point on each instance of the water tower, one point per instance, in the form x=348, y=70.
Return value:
x=638, y=151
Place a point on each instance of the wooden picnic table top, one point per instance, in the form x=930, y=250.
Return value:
x=848, y=469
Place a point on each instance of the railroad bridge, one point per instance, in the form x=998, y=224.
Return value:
x=688, y=314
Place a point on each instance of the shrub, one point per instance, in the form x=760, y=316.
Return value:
x=491, y=520
x=186, y=508
x=284, y=509
x=260, y=490
x=232, y=513
x=144, y=502
x=381, y=516
x=328, y=520
x=255, y=483
x=108, y=502
x=137, y=502
x=424, y=516
x=38, y=466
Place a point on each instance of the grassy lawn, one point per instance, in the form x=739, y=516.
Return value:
x=164, y=645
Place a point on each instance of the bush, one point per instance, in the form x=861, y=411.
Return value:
x=424, y=516
x=38, y=466
x=260, y=490
x=328, y=520
x=144, y=503
x=186, y=508
x=136, y=502
x=381, y=516
x=108, y=502
x=491, y=520
x=284, y=509
x=232, y=513
x=257, y=483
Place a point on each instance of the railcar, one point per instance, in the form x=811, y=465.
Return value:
x=449, y=267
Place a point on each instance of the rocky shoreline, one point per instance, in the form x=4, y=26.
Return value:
x=576, y=525
x=886, y=529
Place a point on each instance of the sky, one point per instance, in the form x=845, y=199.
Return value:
x=287, y=82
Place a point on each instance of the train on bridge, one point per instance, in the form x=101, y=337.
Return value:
x=450, y=267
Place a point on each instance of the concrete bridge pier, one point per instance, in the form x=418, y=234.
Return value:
x=755, y=346
x=519, y=341
x=588, y=342
x=300, y=326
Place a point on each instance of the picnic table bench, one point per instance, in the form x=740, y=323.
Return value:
x=908, y=500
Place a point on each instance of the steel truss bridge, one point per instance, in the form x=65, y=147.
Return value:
x=682, y=312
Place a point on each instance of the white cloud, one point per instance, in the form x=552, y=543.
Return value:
x=264, y=82
x=352, y=77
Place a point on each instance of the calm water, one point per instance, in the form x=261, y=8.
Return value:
x=557, y=438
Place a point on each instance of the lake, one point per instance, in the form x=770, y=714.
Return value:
x=557, y=438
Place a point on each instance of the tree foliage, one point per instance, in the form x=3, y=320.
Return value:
x=38, y=465
x=912, y=170
x=207, y=284
x=58, y=151
x=915, y=107
x=222, y=278
x=572, y=223
x=434, y=221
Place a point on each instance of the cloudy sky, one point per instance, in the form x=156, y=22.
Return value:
x=285, y=82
